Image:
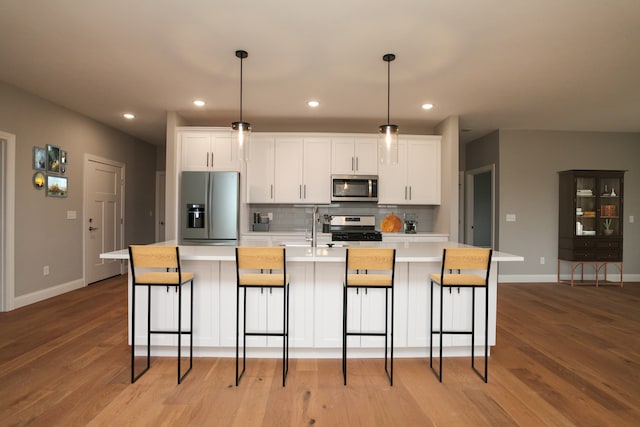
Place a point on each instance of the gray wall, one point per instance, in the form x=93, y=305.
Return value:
x=528, y=187
x=43, y=234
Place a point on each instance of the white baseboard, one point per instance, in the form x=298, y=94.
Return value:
x=553, y=278
x=44, y=294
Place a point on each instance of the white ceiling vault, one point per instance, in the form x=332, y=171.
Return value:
x=543, y=64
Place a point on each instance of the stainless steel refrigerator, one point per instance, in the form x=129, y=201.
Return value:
x=209, y=206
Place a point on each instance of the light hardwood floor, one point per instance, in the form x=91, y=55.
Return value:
x=564, y=357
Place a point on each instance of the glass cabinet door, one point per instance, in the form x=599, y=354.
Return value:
x=586, y=207
x=609, y=206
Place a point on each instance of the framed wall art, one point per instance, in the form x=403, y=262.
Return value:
x=39, y=158
x=56, y=186
x=38, y=179
x=53, y=159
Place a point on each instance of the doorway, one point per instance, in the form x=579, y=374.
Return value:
x=480, y=207
x=7, y=220
x=103, y=216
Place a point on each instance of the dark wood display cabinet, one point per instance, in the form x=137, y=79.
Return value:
x=590, y=230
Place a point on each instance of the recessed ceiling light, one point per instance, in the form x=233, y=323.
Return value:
x=427, y=106
x=128, y=116
x=313, y=104
x=199, y=103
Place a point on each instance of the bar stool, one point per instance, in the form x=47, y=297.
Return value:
x=161, y=267
x=369, y=268
x=258, y=267
x=457, y=264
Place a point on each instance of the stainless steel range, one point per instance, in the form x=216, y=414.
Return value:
x=354, y=228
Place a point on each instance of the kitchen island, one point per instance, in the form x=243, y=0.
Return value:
x=316, y=304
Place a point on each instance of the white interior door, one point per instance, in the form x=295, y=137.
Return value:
x=104, y=181
x=7, y=219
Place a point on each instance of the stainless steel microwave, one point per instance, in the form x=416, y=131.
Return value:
x=354, y=188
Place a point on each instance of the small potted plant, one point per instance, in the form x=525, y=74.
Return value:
x=608, y=227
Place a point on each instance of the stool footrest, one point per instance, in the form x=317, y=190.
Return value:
x=266, y=334
x=367, y=334
x=171, y=332
x=453, y=332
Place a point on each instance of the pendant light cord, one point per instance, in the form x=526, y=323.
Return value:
x=241, y=61
x=388, y=90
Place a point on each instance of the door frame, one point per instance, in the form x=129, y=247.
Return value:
x=92, y=158
x=7, y=222
x=159, y=176
x=469, y=211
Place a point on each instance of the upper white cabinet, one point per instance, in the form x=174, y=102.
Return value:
x=207, y=151
x=415, y=180
x=289, y=169
x=302, y=170
x=354, y=155
x=261, y=170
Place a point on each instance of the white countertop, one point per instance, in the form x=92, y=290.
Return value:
x=405, y=252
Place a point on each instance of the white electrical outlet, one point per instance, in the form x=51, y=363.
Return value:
x=45, y=270
x=511, y=218
x=631, y=219
x=541, y=260
x=270, y=215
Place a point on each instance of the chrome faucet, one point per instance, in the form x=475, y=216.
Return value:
x=314, y=225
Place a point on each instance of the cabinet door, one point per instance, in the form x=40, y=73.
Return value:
x=342, y=156
x=260, y=170
x=316, y=185
x=196, y=151
x=288, y=170
x=366, y=156
x=358, y=156
x=206, y=315
x=223, y=153
x=423, y=172
x=327, y=302
x=392, y=185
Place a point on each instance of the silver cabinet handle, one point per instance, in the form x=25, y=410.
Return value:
x=405, y=192
x=207, y=159
x=272, y=191
x=409, y=192
x=357, y=168
x=305, y=191
x=353, y=168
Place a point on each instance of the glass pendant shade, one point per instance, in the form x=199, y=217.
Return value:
x=388, y=139
x=241, y=135
x=388, y=144
x=241, y=129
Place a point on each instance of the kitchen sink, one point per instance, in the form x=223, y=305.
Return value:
x=308, y=245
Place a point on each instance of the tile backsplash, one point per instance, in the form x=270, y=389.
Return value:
x=298, y=218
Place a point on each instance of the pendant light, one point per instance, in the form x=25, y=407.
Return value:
x=388, y=138
x=241, y=130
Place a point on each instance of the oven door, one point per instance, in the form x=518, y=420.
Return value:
x=354, y=188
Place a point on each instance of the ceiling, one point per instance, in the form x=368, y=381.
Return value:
x=544, y=64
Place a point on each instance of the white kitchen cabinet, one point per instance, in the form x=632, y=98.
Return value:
x=208, y=151
x=354, y=155
x=415, y=179
x=302, y=170
x=328, y=305
x=261, y=170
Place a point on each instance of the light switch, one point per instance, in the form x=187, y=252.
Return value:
x=631, y=219
x=72, y=215
x=511, y=217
